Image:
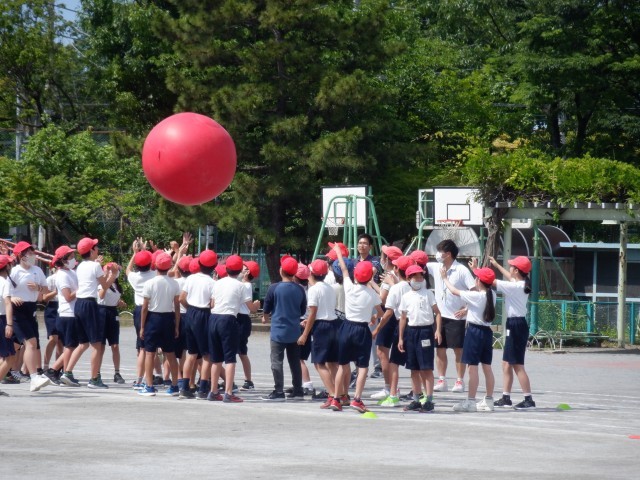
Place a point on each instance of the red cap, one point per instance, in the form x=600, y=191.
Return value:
x=111, y=266
x=289, y=265
x=194, y=266
x=221, y=270
x=420, y=257
x=413, y=269
x=142, y=258
x=403, y=262
x=331, y=255
x=21, y=247
x=343, y=248
x=319, y=267
x=486, y=275
x=234, y=262
x=521, y=263
x=254, y=268
x=63, y=251
x=86, y=244
x=392, y=252
x=4, y=260
x=363, y=271
x=163, y=261
x=303, y=272
x=183, y=263
x=208, y=258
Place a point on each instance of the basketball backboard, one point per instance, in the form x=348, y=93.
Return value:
x=337, y=208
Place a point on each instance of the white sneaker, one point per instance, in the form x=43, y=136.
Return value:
x=466, y=405
x=440, y=386
x=458, y=387
x=380, y=395
x=486, y=405
x=38, y=382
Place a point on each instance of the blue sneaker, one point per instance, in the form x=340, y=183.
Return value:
x=173, y=390
x=147, y=392
x=138, y=386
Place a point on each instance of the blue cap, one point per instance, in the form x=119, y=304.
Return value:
x=337, y=271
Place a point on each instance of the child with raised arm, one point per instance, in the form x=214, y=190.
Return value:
x=478, y=339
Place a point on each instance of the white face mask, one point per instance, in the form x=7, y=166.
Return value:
x=439, y=257
x=30, y=260
x=71, y=263
x=417, y=285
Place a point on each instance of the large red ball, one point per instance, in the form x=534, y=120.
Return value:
x=189, y=158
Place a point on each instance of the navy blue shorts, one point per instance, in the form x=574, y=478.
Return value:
x=324, y=348
x=419, y=346
x=395, y=355
x=137, y=319
x=25, y=325
x=50, y=318
x=305, y=350
x=478, y=345
x=223, y=338
x=67, y=332
x=6, y=344
x=244, y=329
x=180, y=342
x=453, y=333
x=386, y=336
x=109, y=316
x=515, y=345
x=197, y=330
x=160, y=332
x=354, y=343
x=88, y=323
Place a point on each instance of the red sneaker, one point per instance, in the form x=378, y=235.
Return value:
x=327, y=404
x=214, y=397
x=344, y=400
x=336, y=406
x=358, y=405
x=231, y=399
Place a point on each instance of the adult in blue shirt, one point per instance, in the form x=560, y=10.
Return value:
x=284, y=304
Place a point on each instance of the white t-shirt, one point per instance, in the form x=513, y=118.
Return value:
x=137, y=281
x=360, y=300
x=514, y=297
x=66, y=279
x=476, y=302
x=199, y=289
x=339, y=291
x=21, y=277
x=248, y=286
x=228, y=294
x=460, y=277
x=181, y=281
x=4, y=293
x=161, y=290
x=394, y=297
x=322, y=296
x=88, y=273
x=51, y=282
x=418, y=305
x=330, y=278
x=111, y=296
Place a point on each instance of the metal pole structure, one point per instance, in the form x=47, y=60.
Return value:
x=535, y=281
x=506, y=255
x=622, y=282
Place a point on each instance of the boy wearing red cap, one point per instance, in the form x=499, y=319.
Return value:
x=89, y=326
x=478, y=340
x=229, y=294
x=160, y=323
x=284, y=304
x=322, y=323
x=138, y=273
x=418, y=314
x=251, y=272
x=354, y=340
x=108, y=303
x=391, y=357
x=196, y=296
x=7, y=351
x=515, y=288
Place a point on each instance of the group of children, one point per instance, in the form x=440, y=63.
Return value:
x=197, y=313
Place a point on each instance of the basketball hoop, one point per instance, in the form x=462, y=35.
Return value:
x=333, y=224
x=449, y=227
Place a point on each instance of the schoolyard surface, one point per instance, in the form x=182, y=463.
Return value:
x=112, y=434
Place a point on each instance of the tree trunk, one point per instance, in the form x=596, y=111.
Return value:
x=274, y=250
x=553, y=121
x=494, y=228
x=581, y=130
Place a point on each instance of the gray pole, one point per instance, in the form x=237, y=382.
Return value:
x=622, y=282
